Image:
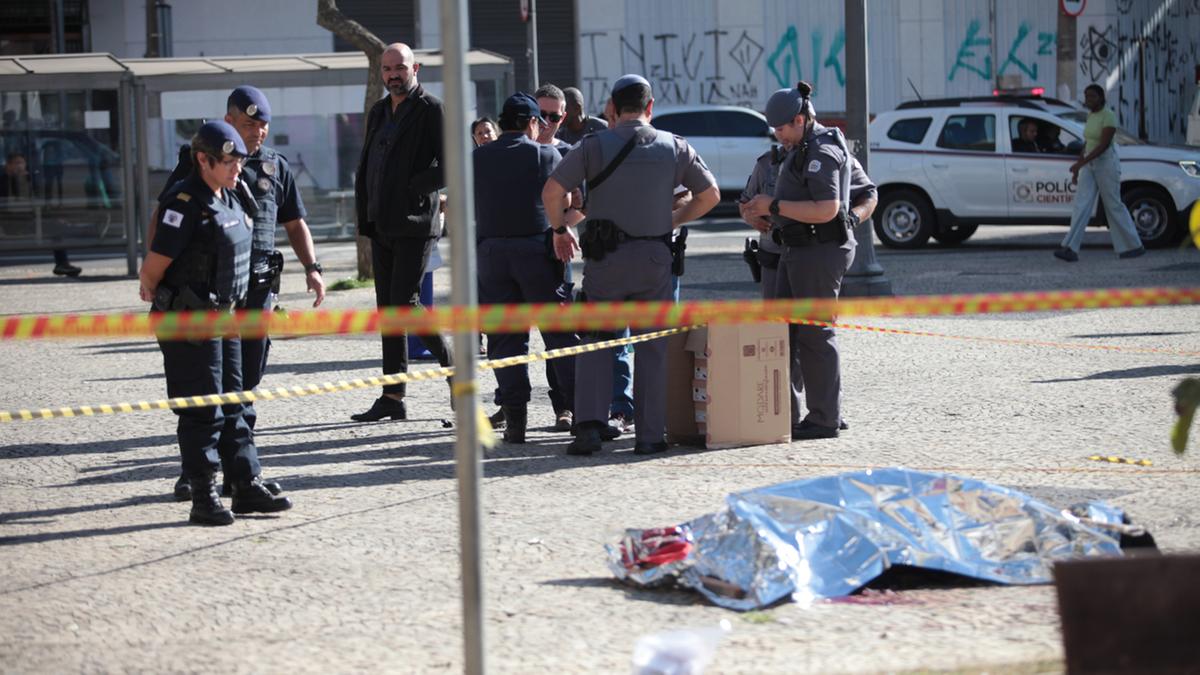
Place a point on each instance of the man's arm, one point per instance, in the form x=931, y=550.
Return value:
x=555, y=198
x=302, y=243
x=433, y=177
x=153, y=268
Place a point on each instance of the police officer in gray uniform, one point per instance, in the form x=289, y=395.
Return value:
x=199, y=260
x=810, y=210
x=631, y=170
x=863, y=199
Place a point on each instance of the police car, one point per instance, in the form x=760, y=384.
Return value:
x=944, y=167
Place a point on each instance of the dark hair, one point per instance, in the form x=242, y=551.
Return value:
x=632, y=99
x=806, y=106
x=482, y=120
x=549, y=91
x=1099, y=91
x=1026, y=121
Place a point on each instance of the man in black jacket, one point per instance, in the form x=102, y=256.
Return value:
x=395, y=195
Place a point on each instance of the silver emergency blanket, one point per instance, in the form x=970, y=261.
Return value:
x=826, y=537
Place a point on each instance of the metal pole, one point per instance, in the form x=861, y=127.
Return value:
x=535, y=80
x=1142, y=133
x=865, y=276
x=460, y=192
x=141, y=209
x=126, y=115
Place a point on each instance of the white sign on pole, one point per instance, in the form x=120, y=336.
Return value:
x=1072, y=7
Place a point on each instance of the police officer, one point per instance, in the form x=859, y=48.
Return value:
x=199, y=260
x=516, y=261
x=863, y=199
x=269, y=178
x=631, y=170
x=811, y=211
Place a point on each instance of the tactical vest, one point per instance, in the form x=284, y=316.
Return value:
x=216, y=263
x=262, y=173
x=638, y=194
x=792, y=182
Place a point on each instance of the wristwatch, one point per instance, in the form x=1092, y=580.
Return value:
x=561, y=229
x=314, y=266
x=774, y=208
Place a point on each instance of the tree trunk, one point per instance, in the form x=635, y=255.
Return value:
x=331, y=19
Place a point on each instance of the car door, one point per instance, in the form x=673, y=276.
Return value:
x=696, y=129
x=742, y=138
x=1039, y=178
x=965, y=169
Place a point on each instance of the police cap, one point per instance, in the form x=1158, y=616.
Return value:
x=626, y=81
x=785, y=104
x=219, y=137
x=521, y=105
x=251, y=101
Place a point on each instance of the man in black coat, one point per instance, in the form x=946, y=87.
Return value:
x=396, y=201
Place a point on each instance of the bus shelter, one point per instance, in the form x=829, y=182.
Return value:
x=88, y=139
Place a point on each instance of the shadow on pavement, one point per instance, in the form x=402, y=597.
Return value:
x=42, y=537
x=26, y=451
x=1130, y=373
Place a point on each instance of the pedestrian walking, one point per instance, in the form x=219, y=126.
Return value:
x=631, y=171
x=1097, y=175
x=199, y=260
x=396, y=197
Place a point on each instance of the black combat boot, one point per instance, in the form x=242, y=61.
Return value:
x=227, y=486
x=207, y=508
x=183, y=489
x=587, y=439
x=251, y=496
x=516, y=419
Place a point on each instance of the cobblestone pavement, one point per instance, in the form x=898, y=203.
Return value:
x=102, y=573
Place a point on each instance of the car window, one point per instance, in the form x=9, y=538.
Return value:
x=1048, y=137
x=969, y=132
x=910, y=130
x=684, y=124
x=729, y=123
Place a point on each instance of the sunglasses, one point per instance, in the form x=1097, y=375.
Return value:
x=552, y=117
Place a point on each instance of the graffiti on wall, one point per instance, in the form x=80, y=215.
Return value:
x=974, y=53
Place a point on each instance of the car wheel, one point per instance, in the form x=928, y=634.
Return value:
x=1154, y=217
x=904, y=219
x=958, y=235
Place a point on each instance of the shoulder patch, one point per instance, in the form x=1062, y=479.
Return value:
x=172, y=218
x=814, y=166
x=183, y=197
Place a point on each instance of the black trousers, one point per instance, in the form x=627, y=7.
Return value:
x=516, y=271
x=199, y=368
x=399, y=267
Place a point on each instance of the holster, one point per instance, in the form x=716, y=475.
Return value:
x=167, y=299
x=750, y=255
x=679, y=251
x=768, y=259
x=268, y=273
x=600, y=237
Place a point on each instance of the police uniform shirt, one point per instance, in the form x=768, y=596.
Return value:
x=510, y=173
x=816, y=174
x=590, y=126
x=861, y=186
x=562, y=146
x=630, y=195
x=762, y=182
x=263, y=182
x=184, y=221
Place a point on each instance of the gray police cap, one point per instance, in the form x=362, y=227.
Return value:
x=626, y=81
x=783, y=106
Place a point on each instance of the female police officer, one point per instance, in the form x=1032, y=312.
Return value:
x=809, y=214
x=200, y=260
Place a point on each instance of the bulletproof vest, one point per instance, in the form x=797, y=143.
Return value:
x=262, y=173
x=638, y=195
x=216, y=263
x=792, y=182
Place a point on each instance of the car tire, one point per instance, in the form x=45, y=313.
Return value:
x=904, y=219
x=1154, y=216
x=958, y=235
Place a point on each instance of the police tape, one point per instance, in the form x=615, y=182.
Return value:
x=183, y=402
x=568, y=317
x=1112, y=459
x=1194, y=223
x=1017, y=342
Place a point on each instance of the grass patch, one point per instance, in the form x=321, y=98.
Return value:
x=351, y=284
x=758, y=617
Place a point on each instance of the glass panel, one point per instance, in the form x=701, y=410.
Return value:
x=910, y=131
x=62, y=184
x=969, y=132
x=683, y=124
x=1034, y=135
x=739, y=124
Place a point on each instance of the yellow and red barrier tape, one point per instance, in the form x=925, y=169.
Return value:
x=1113, y=459
x=570, y=317
x=323, y=388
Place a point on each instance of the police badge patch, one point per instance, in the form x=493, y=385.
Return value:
x=268, y=168
x=814, y=166
x=264, y=184
x=172, y=218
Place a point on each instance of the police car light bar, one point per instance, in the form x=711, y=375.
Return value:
x=1020, y=91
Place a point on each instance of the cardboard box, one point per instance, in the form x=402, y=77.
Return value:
x=729, y=386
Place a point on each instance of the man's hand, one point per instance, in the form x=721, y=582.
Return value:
x=576, y=199
x=759, y=206
x=146, y=294
x=565, y=245
x=681, y=199
x=759, y=223
x=315, y=284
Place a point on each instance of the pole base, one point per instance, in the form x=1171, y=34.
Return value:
x=866, y=286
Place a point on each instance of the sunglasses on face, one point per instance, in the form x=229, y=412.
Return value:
x=552, y=117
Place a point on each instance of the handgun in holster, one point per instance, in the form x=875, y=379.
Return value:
x=678, y=251
x=750, y=255
x=600, y=237
x=267, y=272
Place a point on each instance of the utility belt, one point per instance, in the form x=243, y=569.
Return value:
x=796, y=234
x=185, y=299
x=602, y=237
x=267, y=272
x=758, y=259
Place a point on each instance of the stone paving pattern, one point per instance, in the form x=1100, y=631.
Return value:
x=102, y=572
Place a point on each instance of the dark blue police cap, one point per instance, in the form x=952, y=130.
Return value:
x=626, y=81
x=251, y=101
x=222, y=136
x=521, y=104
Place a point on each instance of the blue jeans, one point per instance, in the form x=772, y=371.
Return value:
x=1101, y=178
x=622, y=397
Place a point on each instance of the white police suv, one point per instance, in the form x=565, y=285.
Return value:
x=944, y=167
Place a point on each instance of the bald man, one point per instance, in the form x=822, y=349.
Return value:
x=395, y=194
